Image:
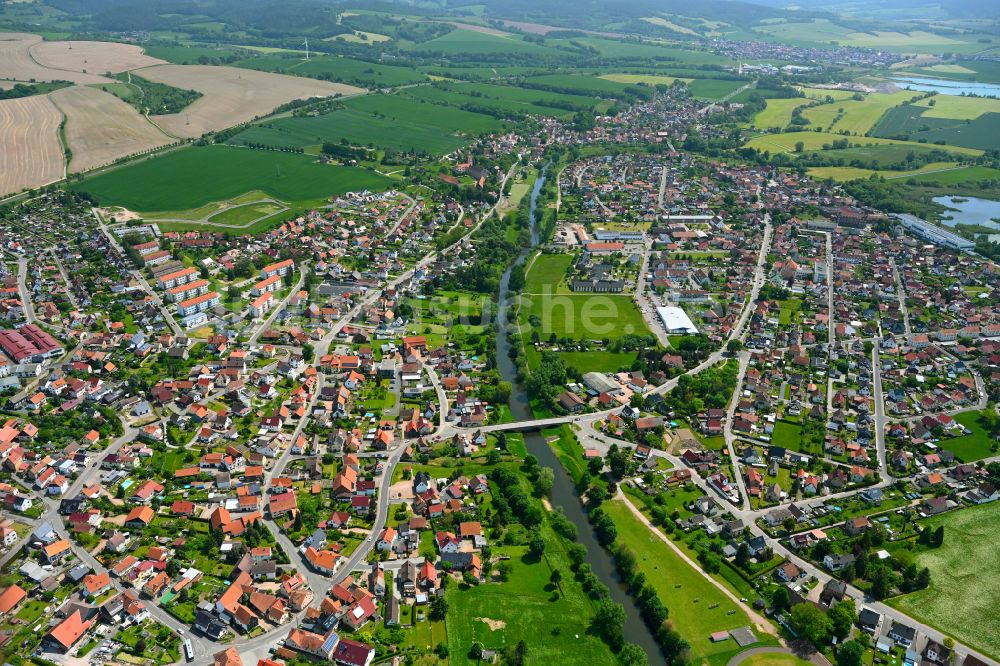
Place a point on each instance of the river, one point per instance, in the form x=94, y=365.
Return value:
x=564, y=492
x=947, y=86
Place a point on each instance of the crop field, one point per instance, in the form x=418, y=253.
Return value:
x=547, y=273
x=958, y=108
x=580, y=84
x=190, y=55
x=31, y=154
x=528, y=608
x=503, y=98
x=100, y=128
x=192, y=177
x=588, y=316
x=385, y=121
x=697, y=608
x=785, y=143
x=854, y=116
x=333, y=68
x=981, y=133
x=16, y=62
x=92, y=57
x=231, y=95
x=473, y=42
x=960, y=587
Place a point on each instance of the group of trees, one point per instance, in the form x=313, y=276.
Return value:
x=707, y=390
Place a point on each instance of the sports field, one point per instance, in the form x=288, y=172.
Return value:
x=774, y=659
x=963, y=580
x=697, y=608
x=192, y=177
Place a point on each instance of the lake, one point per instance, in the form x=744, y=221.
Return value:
x=947, y=86
x=970, y=210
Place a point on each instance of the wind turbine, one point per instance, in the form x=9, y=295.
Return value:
x=307, y=48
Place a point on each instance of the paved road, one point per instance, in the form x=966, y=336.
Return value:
x=22, y=288
x=266, y=324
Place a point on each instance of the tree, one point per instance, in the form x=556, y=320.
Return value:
x=743, y=555
x=609, y=623
x=555, y=577
x=536, y=545
x=923, y=579
x=543, y=484
x=632, y=655
x=812, y=623
x=780, y=599
x=842, y=617
x=850, y=654
x=476, y=651
x=880, y=583
x=938, y=540
x=439, y=608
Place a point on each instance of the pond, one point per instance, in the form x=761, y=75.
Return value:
x=970, y=210
x=947, y=86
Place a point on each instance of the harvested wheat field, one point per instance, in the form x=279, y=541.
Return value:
x=91, y=57
x=231, y=95
x=100, y=128
x=30, y=152
x=16, y=62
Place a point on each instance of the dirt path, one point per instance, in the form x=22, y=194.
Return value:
x=761, y=623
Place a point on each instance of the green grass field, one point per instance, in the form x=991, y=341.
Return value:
x=242, y=215
x=192, y=177
x=590, y=316
x=854, y=116
x=970, y=448
x=909, y=121
x=958, y=108
x=547, y=274
x=504, y=98
x=385, y=121
x=785, y=142
x=963, y=584
x=774, y=659
x=778, y=112
x=697, y=608
x=526, y=608
x=788, y=435
x=789, y=308
x=648, y=79
x=712, y=89
x=470, y=42
x=957, y=176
